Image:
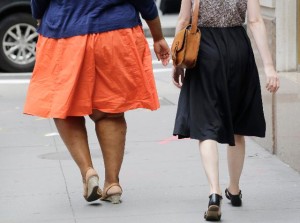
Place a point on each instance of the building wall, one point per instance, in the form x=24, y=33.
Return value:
x=282, y=109
x=286, y=22
x=298, y=25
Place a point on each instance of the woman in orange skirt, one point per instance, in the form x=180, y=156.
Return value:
x=93, y=59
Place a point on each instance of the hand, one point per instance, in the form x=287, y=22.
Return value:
x=178, y=76
x=38, y=22
x=162, y=51
x=273, y=82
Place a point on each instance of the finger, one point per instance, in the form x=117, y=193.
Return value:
x=182, y=78
x=176, y=83
x=164, y=55
x=274, y=88
x=165, y=62
x=175, y=77
x=157, y=56
x=274, y=84
x=269, y=84
x=278, y=84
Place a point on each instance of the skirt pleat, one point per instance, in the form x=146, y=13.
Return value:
x=221, y=96
x=111, y=72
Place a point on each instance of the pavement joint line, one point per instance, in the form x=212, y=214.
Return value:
x=159, y=62
x=63, y=174
x=15, y=74
x=15, y=81
x=27, y=81
x=162, y=70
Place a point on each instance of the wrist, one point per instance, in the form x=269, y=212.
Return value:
x=157, y=39
x=269, y=67
x=178, y=68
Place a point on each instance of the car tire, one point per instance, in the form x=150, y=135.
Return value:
x=18, y=38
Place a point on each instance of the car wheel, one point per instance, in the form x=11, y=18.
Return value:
x=18, y=38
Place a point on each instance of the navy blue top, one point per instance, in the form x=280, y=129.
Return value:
x=66, y=18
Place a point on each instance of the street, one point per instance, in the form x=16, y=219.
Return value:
x=162, y=177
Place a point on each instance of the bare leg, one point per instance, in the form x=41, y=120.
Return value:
x=73, y=132
x=111, y=133
x=235, y=159
x=210, y=160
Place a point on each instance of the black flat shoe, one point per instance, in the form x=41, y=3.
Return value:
x=213, y=212
x=236, y=200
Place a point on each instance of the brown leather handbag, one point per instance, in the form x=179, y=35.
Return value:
x=186, y=43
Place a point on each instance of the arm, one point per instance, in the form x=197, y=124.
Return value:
x=147, y=8
x=183, y=20
x=184, y=15
x=161, y=47
x=38, y=8
x=258, y=30
x=149, y=12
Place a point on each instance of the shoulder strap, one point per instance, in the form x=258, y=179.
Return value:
x=195, y=16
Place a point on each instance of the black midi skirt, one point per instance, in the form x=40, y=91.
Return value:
x=221, y=95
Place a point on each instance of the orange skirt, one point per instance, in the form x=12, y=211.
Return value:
x=111, y=72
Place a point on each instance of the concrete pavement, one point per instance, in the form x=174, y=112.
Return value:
x=162, y=177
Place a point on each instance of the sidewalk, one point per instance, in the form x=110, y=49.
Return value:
x=168, y=24
x=162, y=177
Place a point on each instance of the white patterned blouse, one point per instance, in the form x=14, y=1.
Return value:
x=222, y=13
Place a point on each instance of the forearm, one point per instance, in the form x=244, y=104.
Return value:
x=258, y=30
x=181, y=24
x=155, y=29
x=184, y=15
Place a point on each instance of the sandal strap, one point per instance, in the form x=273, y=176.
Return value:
x=110, y=186
x=229, y=195
x=90, y=173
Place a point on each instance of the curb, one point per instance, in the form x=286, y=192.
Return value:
x=168, y=32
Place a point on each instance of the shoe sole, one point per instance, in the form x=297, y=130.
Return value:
x=212, y=214
x=93, y=188
x=114, y=199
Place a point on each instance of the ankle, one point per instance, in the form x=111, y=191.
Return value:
x=233, y=189
x=84, y=172
x=216, y=190
x=110, y=182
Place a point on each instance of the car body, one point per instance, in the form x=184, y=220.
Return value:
x=18, y=36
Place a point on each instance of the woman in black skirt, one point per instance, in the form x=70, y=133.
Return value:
x=220, y=99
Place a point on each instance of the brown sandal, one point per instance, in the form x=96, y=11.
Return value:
x=91, y=190
x=114, y=198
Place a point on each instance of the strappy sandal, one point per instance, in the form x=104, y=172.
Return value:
x=91, y=190
x=114, y=198
x=236, y=200
x=213, y=212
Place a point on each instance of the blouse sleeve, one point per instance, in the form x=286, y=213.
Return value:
x=38, y=8
x=147, y=8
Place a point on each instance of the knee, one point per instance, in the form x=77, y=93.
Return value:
x=239, y=139
x=98, y=115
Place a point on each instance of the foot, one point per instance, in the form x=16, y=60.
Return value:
x=112, y=193
x=213, y=212
x=91, y=191
x=236, y=200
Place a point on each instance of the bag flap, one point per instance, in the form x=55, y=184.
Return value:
x=179, y=40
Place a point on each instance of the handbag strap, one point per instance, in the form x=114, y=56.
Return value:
x=195, y=17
